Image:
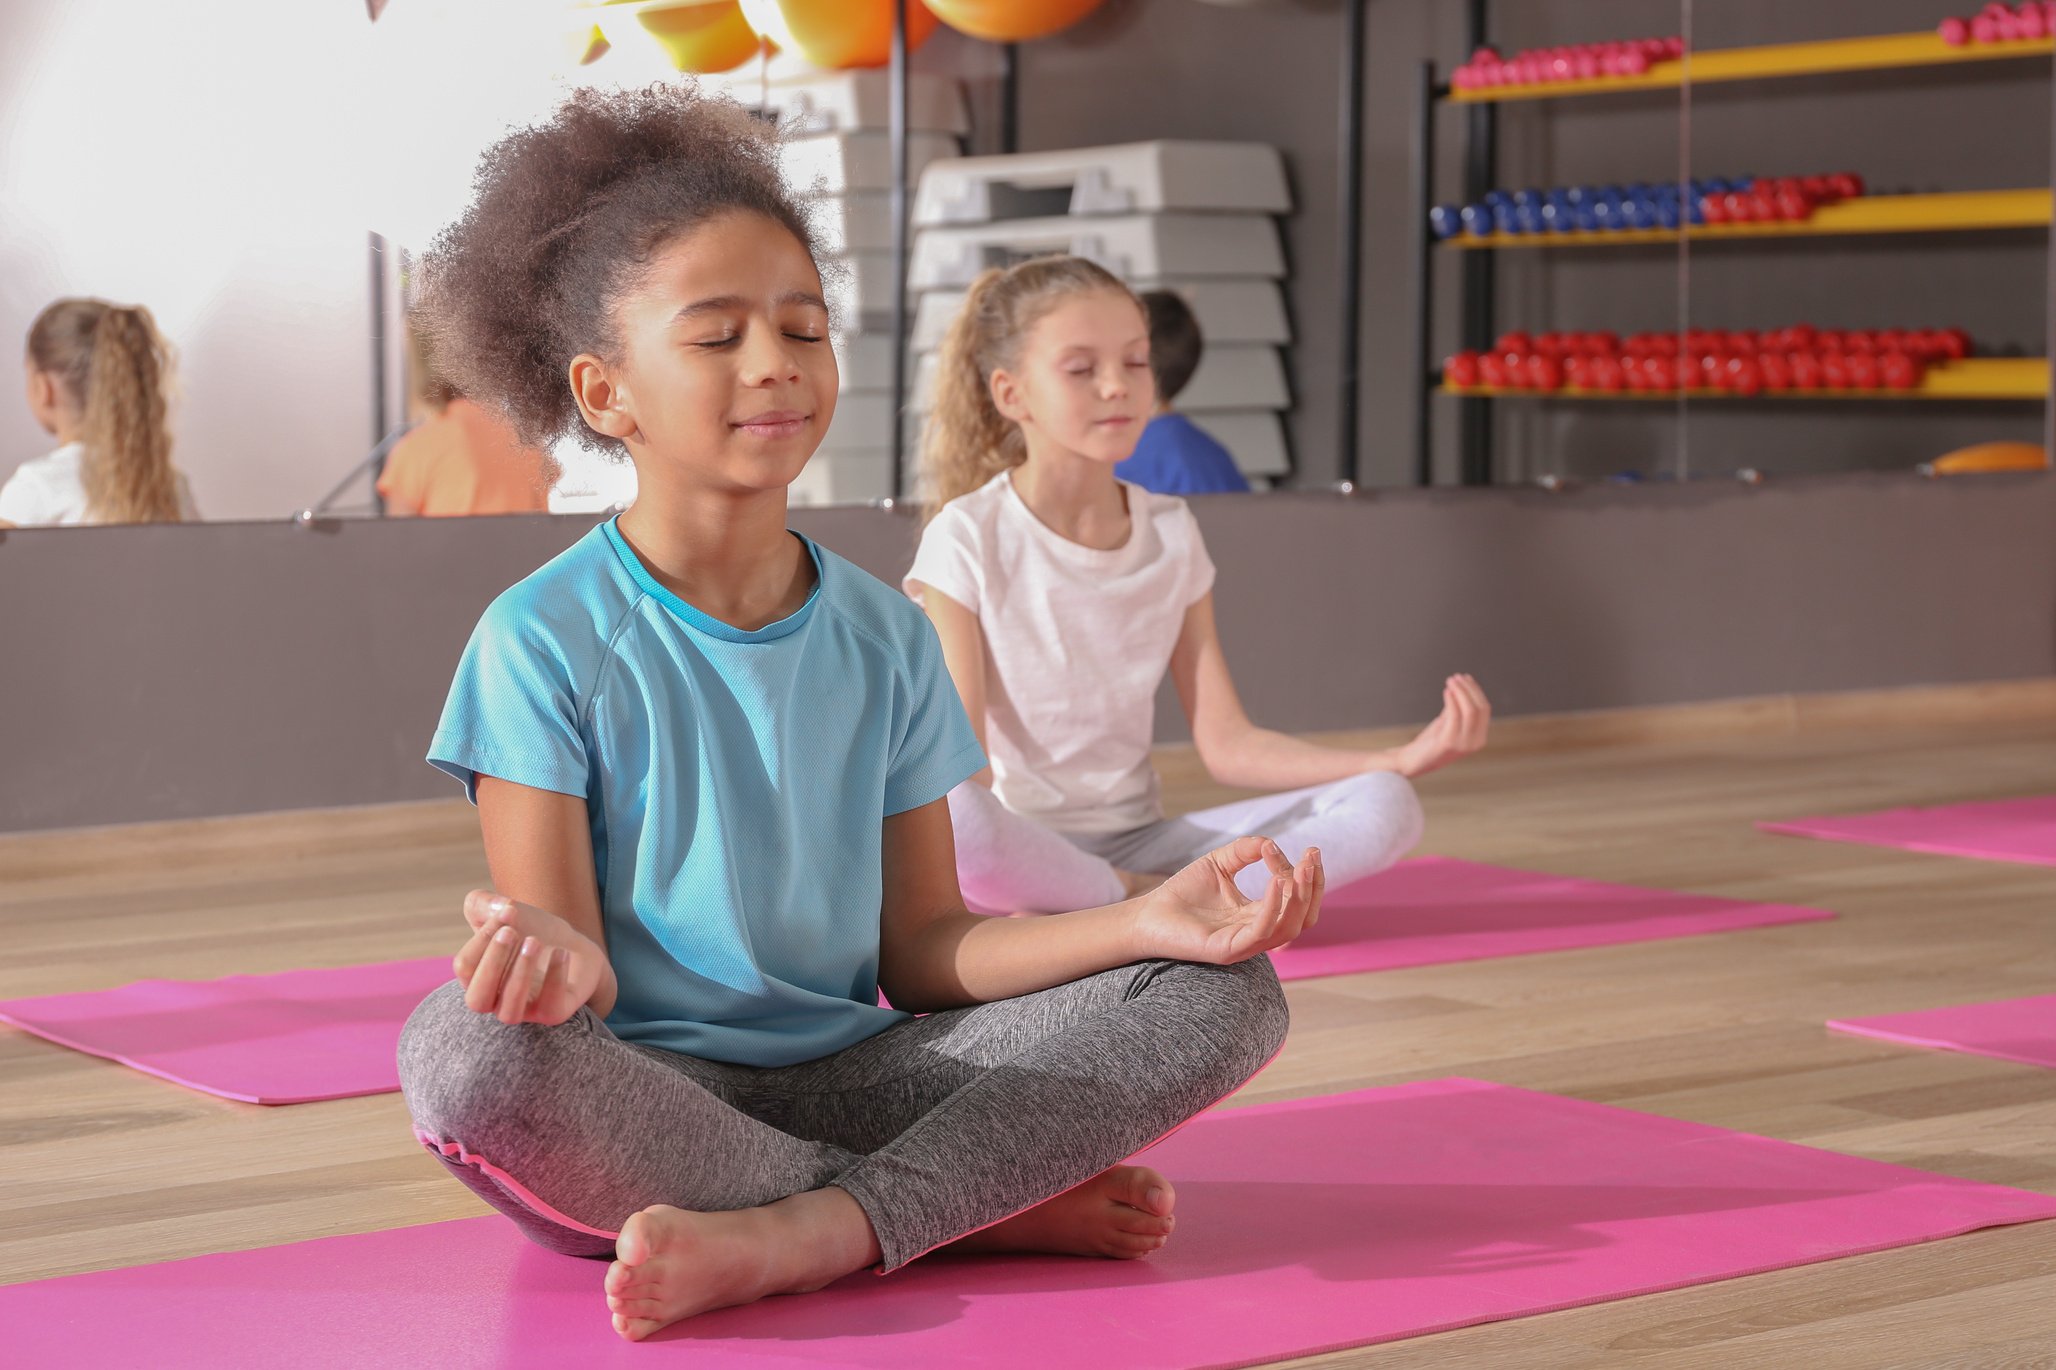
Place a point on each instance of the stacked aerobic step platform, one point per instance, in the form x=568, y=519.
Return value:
x=837, y=151
x=1195, y=217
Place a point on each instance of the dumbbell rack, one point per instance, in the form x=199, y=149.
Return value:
x=1976, y=378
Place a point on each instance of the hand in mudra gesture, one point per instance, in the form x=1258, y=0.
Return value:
x=1200, y=915
x=523, y=965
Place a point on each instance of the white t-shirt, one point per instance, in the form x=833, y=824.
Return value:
x=1076, y=641
x=52, y=490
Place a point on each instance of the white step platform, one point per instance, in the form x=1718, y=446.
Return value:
x=1228, y=379
x=815, y=101
x=1236, y=377
x=1132, y=246
x=863, y=361
x=838, y=163
x=854, y=476
x=1255, y=438
x=860, y=221
x=863, y=419
x=859, y=290
x=1247, y=178
x=1229, y=310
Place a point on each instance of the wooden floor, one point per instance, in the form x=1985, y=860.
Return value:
x=101, y=1166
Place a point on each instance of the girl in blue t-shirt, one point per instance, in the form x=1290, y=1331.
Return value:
x=711, y=761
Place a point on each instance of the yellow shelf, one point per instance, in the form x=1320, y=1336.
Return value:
x=1876, y=53
x=1975, y=378
x=1866, y=214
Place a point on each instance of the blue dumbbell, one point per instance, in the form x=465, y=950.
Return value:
x=1558, y=218
x=1446, y=220
x=1502, y=219
x=1695, y=213
x=1577, y=196
x=1668, y=214
x=1495, y=198
x=1477, y=220
x=1523, y=199
x=1529, y=218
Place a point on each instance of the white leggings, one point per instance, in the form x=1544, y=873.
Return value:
x=1008, y=864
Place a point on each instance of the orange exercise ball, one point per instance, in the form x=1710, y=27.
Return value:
x=699, y=36
x=834, y=34
x=1990, y=456
x=1011, y=21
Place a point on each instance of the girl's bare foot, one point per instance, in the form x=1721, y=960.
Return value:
x=671, y=1264
x=1124, y=1212
x=1139, y=883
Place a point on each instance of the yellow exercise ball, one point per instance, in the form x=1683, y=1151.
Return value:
x=1011, y=21
x=835, y=34
x=699, y=36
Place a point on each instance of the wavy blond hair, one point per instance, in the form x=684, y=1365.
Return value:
x=114, y=368
x=966, y=440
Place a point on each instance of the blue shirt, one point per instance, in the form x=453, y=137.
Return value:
x=1175, y=456
x=737, y=784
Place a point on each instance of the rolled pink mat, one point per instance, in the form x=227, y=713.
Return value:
x=2022, y=1030
x=2022, y=830
x=289, y=1038
x=1303, y=1227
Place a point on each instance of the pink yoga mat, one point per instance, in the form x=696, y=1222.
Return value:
x=2009, y=1029
x=1436, y=909
x=1303, y=1227
x=263, y=1039
x=2000, y=830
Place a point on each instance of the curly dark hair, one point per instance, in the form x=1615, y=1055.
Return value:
x=565, y=219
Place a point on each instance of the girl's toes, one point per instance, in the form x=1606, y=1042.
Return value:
x=1142, y=1224
x=638, y=1328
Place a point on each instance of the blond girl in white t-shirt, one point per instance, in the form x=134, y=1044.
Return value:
x=99, y=381
x=1062, y=595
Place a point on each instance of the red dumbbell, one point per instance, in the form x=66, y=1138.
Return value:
x=1461, y=369
x=1544, y=373
x=1805, y=369
x=1898, y=371
x=1862, y=369
x=1834, y=371
x=1775, y=370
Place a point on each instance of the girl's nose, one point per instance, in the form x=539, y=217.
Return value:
x=768, y=357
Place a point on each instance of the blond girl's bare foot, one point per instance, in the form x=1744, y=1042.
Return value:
x=671, y=1264
x=1124, y=1213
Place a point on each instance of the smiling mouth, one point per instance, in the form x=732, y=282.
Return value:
x=782, y=423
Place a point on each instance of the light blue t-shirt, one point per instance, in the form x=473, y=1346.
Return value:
x=737, y=784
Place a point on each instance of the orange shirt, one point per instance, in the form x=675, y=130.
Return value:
x=465, y=461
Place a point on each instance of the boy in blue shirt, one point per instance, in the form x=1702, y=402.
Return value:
x=1175, y=456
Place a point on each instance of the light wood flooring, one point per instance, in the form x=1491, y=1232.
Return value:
x=101, y=1166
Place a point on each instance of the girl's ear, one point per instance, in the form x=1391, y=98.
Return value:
x=605, y=404
x=1008, y=396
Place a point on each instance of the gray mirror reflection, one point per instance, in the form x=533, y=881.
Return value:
x=224, y=248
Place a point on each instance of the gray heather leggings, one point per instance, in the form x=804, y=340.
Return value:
x=938, y=1126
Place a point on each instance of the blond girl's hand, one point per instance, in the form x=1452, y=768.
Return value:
x=523, y=965
x=1200, y=915
x=1456, y=732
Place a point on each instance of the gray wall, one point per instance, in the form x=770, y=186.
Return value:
x=1174, y=68
x=230, y=668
